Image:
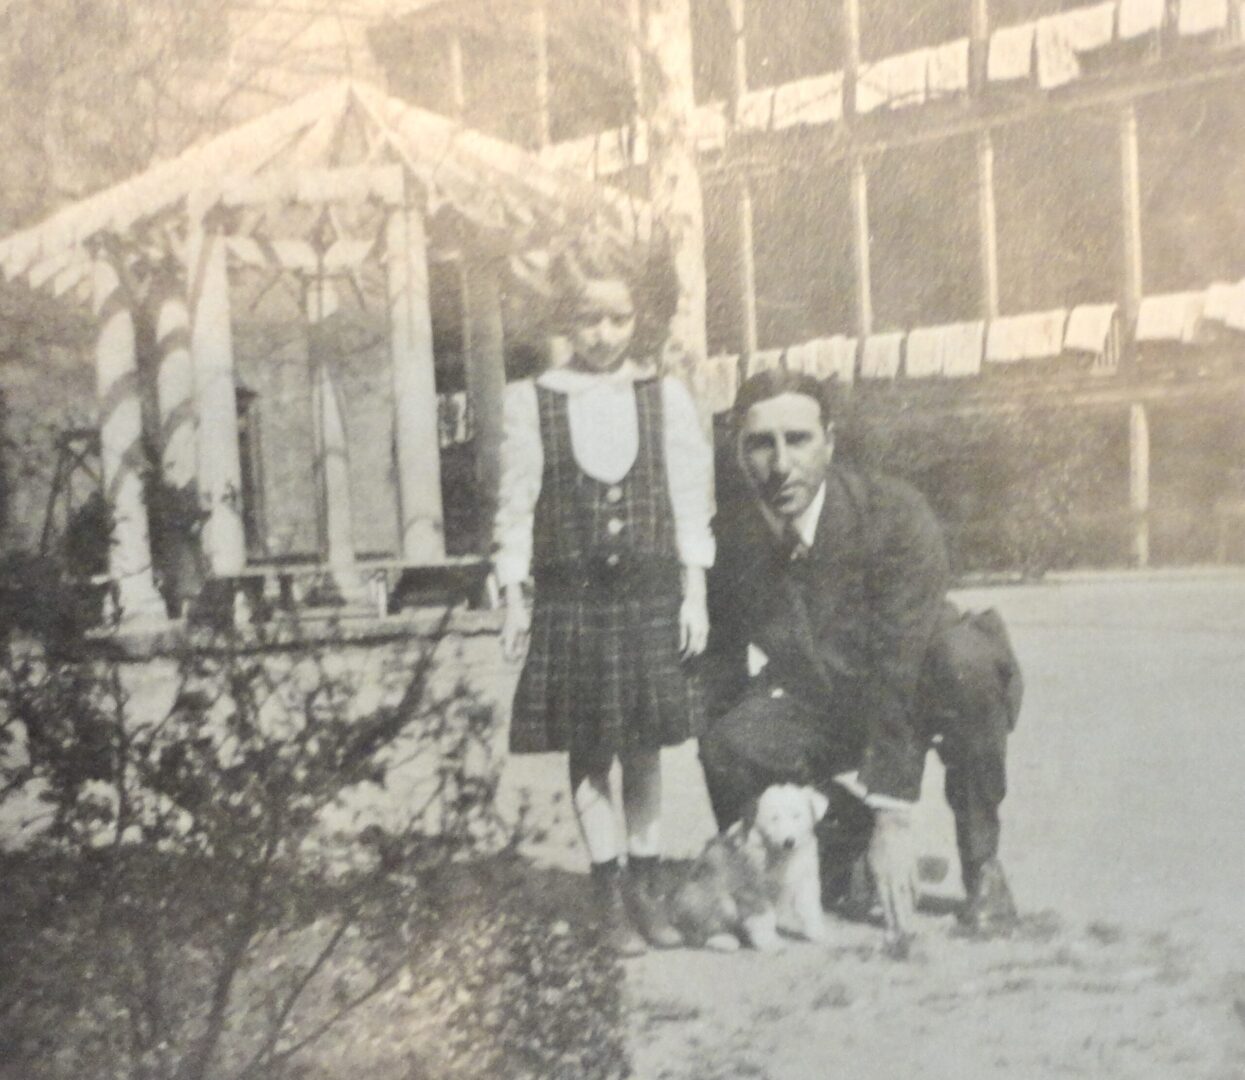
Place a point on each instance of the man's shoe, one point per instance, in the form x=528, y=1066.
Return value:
x=989, y=908
x=647, y=904
x=615, y=928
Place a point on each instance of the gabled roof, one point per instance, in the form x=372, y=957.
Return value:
x=495, y=186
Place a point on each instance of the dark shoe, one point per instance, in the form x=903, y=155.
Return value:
x=648, y=905
x=989, y=908
x=616, y=930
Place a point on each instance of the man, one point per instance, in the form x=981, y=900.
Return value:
x=840, y=580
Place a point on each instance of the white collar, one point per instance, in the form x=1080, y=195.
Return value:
x=570, y=380
x=805, y=523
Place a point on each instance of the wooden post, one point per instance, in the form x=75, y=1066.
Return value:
x=674, y=179
x=747, y=273
x=175, y=386
x=1130, y=191
x=421, y=520
x=458, y=80
x=635, y=53
x=1139, y=481
x=860, y=247
x=987, y=222
x=979, y=43
x=540, y=39
x=743, y=201
x=211, y=349
x=486, y=378
x=851, y=59
x=332, y=448
x=121, y=448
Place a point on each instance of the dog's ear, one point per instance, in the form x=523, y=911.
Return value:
x=819, y=803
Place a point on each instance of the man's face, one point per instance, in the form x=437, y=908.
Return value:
x=785, y=452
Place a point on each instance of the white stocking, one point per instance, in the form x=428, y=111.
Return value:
x=641, y=787
x=595, y=814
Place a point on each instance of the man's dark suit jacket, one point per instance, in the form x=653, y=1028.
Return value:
x=845, y=625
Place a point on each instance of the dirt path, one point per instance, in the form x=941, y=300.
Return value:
x=1124, y=844
x=1052, y=1002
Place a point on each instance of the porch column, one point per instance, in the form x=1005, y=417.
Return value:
x=1139, y=481
x=418, y=451
x=747, y=273
x=1130, y=194
x=121, y=448
x=979, y=43
x=332, y=454
x=458, y=81
x=851, y=44
x=747, y=280
x=211, y=349
x=860, y=247
x=674, y=178
x=987, y=224
x=540, y=41
x=175, y=387
x=486, y=377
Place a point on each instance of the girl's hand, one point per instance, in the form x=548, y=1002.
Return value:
x=515, y=626
x=694, y=614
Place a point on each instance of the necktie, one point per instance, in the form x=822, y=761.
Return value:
x=792, y=544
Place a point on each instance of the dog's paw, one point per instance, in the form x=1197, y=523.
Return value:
x=769, y=942
x=723, y=943
x=817, y=933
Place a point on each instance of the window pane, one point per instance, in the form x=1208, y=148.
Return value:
x=888, y=27
x=1057, y=184
x=589, y=82
x=802, y=235
x=923, y=228
x=792, y=39
x=1192, y=153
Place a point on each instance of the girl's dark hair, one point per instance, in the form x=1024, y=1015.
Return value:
x=648, y=272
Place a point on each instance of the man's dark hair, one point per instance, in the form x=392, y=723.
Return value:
x=777, y=381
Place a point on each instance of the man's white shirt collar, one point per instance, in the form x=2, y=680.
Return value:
x=805, y=523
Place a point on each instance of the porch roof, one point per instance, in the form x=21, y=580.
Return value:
x=497, y=188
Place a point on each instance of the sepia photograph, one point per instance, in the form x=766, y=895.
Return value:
x=600, y=539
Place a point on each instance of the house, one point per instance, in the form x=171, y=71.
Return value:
x=996, y=221
x=972, y=209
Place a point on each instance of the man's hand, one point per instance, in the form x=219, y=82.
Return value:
x=515, y=625
x=893, y=864
x=694, y=614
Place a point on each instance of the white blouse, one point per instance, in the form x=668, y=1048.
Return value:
x=605, y=440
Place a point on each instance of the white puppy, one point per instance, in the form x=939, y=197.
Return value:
x=760, y=876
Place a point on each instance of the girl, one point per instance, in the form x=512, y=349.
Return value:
x=605, y=501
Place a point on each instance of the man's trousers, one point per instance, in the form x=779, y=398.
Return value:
x=967, y=702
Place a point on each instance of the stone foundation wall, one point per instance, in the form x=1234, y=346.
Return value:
x=374, y=660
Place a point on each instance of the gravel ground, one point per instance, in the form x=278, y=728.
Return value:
x=1123, y=840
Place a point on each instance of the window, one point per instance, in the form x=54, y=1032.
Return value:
x=1192, y=152
x=418, y=67
x=500, y=76
x=1010, y=12
x=590, y=88
x=802, y=233
x=723, y=315
x=713, y=50
x=1057, y=185
x=924, y=241
x=792, y=39
x=887, y=28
